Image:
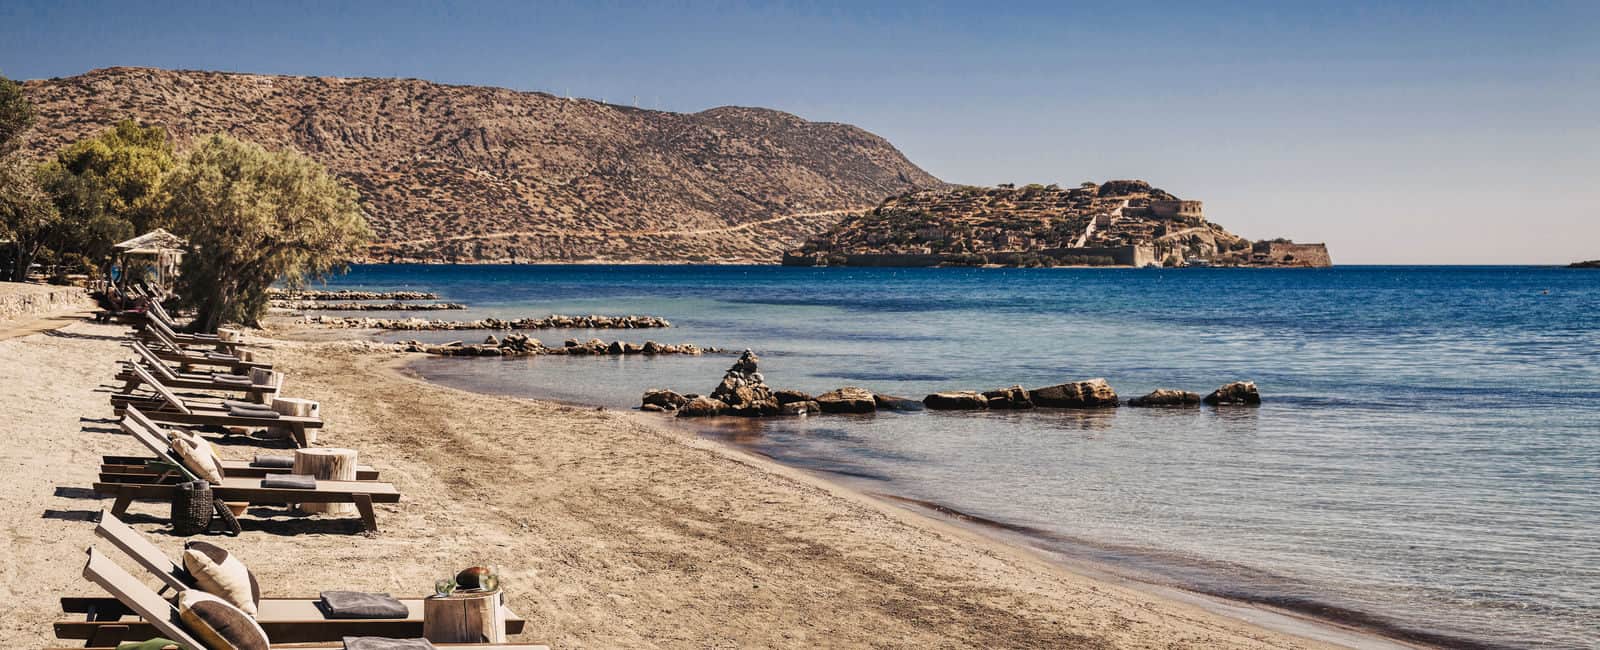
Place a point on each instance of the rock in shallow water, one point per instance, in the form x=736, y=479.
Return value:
x=1167, y=397
x=849, y=399
x=1239, y=393
x=1092, y=393
x=956, y=400
x=663, y=399
x=701, y=407
x=1014, y=397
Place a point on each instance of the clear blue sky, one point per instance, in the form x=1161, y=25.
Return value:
x=1450, y=132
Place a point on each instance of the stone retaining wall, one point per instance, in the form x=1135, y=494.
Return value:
x=18, y=300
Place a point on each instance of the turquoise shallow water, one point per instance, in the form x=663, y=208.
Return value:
x=1427, y=459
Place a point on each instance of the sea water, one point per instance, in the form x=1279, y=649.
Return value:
x=1426, y=459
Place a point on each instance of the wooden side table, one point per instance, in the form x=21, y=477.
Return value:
x=327, y=464
x=464, y=617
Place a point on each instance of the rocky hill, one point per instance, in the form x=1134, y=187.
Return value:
x=477, y=173
x=1117, y=223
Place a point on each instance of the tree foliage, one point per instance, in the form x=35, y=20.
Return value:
x=108, y=188
x=253, y=217
x=16, y=115
x=26, y=214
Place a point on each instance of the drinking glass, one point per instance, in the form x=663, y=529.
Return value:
x=444, y=587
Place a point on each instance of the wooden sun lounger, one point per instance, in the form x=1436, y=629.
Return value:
x=168, y=407
x=135, y=469
x=157, y=617
x=154, y=328
x=249, y=490
x=169, y=350
x=189, y=381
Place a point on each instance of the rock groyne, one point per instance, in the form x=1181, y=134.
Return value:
x=522, y=345
x=554, y=321
x=348, y=294
x=308, y=305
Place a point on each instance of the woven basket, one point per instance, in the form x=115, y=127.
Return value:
x=192, y=508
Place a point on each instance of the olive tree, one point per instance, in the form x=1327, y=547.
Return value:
x=254, y=217
x=108, y=188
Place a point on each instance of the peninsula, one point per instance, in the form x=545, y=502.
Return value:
x=451, y=173
x=1116, y=223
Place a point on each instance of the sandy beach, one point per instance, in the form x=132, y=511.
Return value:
x=609, y=531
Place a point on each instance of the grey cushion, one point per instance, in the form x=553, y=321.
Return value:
x=258, y=412
x=381, y=643
x=273, y=461
x=356, y=604
x=290, y=481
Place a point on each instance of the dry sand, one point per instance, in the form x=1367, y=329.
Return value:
x=609, y=532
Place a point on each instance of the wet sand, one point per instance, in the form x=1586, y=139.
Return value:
x=609, y=531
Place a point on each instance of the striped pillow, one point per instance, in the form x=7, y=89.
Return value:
x=218, y=624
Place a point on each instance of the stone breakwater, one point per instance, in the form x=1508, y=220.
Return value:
x=305, y=305
x=744, y=392
x=521, y=345
x=348, y=294
x=554, y=321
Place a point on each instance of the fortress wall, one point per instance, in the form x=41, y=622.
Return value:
x=1297, y=254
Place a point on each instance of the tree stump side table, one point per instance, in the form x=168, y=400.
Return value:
x=464, y=617
x=295, y=407
x=327, y=464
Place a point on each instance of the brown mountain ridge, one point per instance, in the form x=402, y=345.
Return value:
x=469, y=173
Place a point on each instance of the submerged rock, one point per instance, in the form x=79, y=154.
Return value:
x=1239, y=393
x=892, y=403
x=1167, y=397
x=956, y=400
x=1014, y=397
x=807, y=407
x=1092, y=393
x=849, y=399
x=791, y=396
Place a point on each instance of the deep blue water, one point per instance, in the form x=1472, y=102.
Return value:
x=1428, y=453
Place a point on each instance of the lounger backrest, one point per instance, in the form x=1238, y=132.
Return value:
x=153, y=361
x=148, y=433
x=165, y=339
x=140, y=549
x=143, y=600
x=161, y=389
x=161, y=313
x=162, y=327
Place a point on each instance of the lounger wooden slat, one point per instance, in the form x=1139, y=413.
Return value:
x=158, y=617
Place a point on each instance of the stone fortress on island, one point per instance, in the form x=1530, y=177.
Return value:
x=1117, y=223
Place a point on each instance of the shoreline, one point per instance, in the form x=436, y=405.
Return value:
x=1310, y=619
x=609, y=531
